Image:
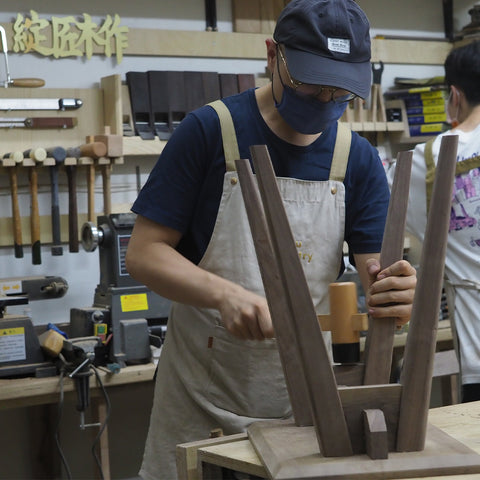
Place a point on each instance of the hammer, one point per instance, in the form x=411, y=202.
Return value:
x=37, y=155
x=58, y=154
x=114, y=144
x=15, y=157
x=92, y=150
x=34, y=217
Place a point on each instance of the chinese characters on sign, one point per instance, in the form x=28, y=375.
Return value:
x=57, y=38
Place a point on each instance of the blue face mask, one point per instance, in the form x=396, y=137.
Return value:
x=306, y=114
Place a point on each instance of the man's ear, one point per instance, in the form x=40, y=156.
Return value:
x=271, y=53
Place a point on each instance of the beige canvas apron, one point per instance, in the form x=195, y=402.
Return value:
x=207, y=378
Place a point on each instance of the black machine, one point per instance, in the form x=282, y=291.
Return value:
x=125, y=314
x=20, y=351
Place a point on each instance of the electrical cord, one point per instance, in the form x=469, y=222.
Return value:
x=63, y=370
x=57, y=428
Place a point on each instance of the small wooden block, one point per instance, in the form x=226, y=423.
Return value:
x=376, y=439
x=8, y=162
x=114, y=144
x=86, y=161
x=51, y=342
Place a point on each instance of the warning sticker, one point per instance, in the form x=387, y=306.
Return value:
x=10, y=287
x=132, y=303
x=12, y=344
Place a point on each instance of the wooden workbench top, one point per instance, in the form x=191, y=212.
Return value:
x=20, y=392
x=461, y=421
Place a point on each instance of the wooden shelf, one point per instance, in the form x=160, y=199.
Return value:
x=187, y=43
x=376, y=126
x=411, y=52
x=414, y=140
x=137, y=146
x=180, y=43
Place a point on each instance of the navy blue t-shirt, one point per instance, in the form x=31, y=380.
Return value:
x=184, y=189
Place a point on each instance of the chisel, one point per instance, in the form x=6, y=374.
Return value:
x=38, y=155
x=16, y=157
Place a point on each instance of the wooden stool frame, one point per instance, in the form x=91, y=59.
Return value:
x=369, y=415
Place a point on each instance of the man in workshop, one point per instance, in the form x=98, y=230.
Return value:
x=462, y=266
x=220, y=367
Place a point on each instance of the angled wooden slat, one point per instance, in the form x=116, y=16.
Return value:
x=277, y=302
x=416, y=376
x=327, y=413
x=380, y=336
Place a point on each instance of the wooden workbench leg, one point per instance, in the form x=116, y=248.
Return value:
x=98, y=406
x=208, y=471
x=44, y=458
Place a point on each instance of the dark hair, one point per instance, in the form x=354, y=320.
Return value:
x=462, y=69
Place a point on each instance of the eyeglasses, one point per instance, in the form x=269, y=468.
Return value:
x=323, y=93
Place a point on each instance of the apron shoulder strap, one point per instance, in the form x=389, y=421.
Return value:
x=230, y=144
x=430, y=175
x=341, y=152
x=229, y=137
x=462, y=167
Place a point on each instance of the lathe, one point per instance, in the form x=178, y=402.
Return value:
x=20, y=351
x=125, y=314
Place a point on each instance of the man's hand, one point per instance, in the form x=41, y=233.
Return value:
x=245, y=314
x=391, y=291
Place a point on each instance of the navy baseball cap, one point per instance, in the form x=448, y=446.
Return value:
x=327, y=42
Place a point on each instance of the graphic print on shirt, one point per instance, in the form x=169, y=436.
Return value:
x=465, y=210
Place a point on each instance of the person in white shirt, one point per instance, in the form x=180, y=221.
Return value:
x=462, y=264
